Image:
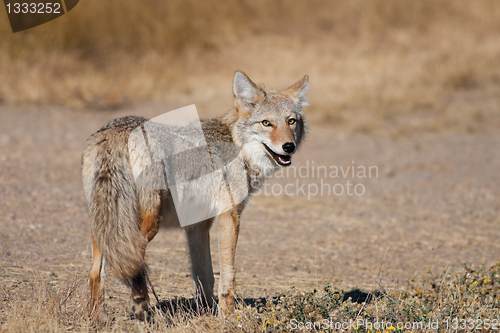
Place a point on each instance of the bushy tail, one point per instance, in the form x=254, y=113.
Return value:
x=114, y=206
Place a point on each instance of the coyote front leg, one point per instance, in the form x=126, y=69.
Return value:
x=229, y=226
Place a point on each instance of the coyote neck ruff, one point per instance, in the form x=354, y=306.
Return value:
x=267, y=127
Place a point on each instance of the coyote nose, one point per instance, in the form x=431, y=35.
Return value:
x=289, y=147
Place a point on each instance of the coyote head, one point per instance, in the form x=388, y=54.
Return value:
x=268, y=126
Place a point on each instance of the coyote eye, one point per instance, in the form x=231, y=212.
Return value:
x=291, y=121
x=266, y=123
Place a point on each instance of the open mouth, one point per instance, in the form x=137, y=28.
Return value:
x=283, y=160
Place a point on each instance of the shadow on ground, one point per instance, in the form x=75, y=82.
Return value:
x=191, y=306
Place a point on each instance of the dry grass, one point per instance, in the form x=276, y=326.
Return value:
x=383, y=67
x=437, y=302
x=448, y=301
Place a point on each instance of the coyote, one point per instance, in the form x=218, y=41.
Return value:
x=267, y=128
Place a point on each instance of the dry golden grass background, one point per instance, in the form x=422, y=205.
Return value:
x=379, y=67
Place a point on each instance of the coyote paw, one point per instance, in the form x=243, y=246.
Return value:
x=140, y=307
x=226, y=305
x=97, y=313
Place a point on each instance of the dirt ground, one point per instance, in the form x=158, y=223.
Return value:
x=432, y=203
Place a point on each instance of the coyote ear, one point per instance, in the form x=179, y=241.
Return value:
x=245, y=90
x=298, y=91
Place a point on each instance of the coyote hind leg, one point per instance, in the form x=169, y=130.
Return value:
x=138, y=283
x=97, y=276
x=140, y=297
